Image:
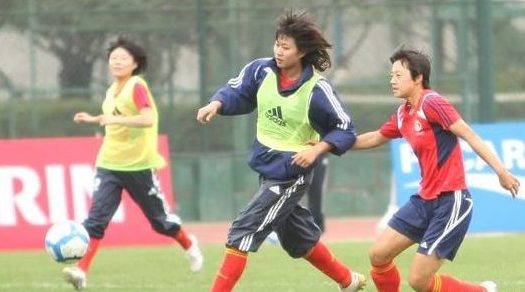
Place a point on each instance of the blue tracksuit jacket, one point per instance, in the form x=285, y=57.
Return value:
x=326, y=113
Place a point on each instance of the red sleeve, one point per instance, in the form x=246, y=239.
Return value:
x=389, y=129
x=140, y=96
x=439, y=110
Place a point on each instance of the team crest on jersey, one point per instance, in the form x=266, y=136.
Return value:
x=417, y=126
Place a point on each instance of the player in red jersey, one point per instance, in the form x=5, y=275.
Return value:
x=438, y=216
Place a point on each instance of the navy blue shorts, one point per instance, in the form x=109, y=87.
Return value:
x=144, y=188
x=439, y=225
x=276, y=207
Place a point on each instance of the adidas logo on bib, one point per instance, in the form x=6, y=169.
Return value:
x=276, y=116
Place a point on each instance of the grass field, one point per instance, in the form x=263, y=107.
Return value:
x=501, y=259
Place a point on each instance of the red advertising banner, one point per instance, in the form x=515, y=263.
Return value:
x=43, y=181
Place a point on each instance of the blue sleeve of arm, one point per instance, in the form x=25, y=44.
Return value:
x=330, y=119
x=239, y=95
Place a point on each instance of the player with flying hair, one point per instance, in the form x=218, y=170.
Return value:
x=128, y=159
x=437, y=217
x=299, y=117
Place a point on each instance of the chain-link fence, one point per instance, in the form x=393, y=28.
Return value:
x=53, y=56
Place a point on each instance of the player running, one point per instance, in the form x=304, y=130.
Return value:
x=438, y=216
x=128, y=159
x=299, y=117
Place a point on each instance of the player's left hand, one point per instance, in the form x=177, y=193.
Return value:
x=509, y=182
x=306, y=157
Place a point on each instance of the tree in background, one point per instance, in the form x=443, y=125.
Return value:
x=5, y=8
x=76, y=32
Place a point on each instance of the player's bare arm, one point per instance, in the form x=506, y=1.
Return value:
x=369, y=140
x=83, y=117
x=506, y=179
x=144, y=119
x=306, y=157
x=206, y=113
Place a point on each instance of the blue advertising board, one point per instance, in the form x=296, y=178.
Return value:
x=494, y=208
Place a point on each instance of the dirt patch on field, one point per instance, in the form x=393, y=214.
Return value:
x=337, y=229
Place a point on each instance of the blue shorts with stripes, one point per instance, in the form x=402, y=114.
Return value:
x=143, y=187
x=439, y=225
x=276, y=207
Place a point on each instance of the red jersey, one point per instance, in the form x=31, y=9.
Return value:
x=140, y=96
x=426, y=129
x=284, y=82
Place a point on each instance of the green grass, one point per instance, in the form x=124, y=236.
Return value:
x=165, y=269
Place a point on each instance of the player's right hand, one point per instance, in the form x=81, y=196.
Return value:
x=83, y=117
x=206, y=113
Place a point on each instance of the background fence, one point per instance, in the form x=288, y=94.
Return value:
x=53, y=63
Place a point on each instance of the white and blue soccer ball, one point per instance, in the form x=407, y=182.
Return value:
x=272, y=238
x=67, y=241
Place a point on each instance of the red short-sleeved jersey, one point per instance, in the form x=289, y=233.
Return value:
x=140, y=96
x=426, y=129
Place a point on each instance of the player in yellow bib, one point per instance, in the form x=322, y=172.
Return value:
x=128, y=159
x=131, y=143
x=299, y=118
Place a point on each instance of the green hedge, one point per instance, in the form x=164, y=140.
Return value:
x=52, y=118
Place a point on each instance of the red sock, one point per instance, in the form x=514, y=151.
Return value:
x=182, y=238
x=386, y=277
x=443, y=283
x=321, y=258
x=231, y=270
x=85, y=261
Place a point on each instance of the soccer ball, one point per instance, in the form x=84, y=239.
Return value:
x=67, y=241
x=272, y=238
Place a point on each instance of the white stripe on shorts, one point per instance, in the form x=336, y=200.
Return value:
x=247, y=240
x=454, y=220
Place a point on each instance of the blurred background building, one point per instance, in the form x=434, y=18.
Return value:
x=53, y=63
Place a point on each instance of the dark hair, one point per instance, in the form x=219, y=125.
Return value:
x=417, y=62
x=308, y=38
x=134, y=49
